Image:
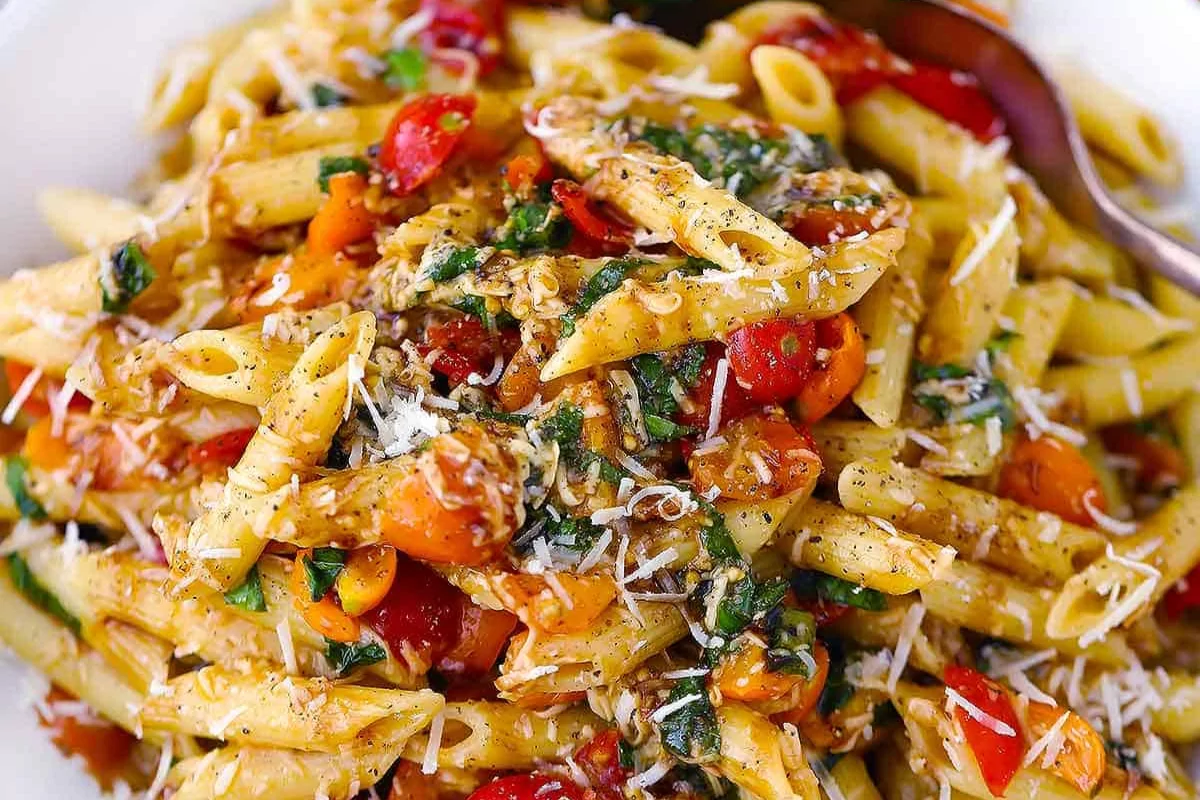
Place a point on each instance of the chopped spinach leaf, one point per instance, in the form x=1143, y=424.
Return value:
x=336, y=165
x=559, y=529
x=321, y=569
x=28, y=585
x=455, y=261
x=999, y=343
x=346, y=657
x=838, y=690
x=687, y=364
x=607, y=280
x=938, y=372
x=565, y=426
x=955, y=394
x=625, y=754
x=656, y=378
x=325, y=96
x=792, y=633
x=533, y=226
x=404, y=68
x=249, y=595
x=690, y=732
x=129, y=273
x=810, y=584
x=715, y=536
x=16, y=476
x=664, y=430
x=476, y=306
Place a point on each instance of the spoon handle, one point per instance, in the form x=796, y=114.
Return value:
x=1165, y=255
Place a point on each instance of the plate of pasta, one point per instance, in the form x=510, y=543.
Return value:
x=491, y=401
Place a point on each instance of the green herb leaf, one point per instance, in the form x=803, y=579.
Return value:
x=718, y=542
x=792, y=633
x=325, y=96
x=533, y=226
x=974, y=398
x=321, y=569
x=476, y=306
x=938, y=372
x=458, y=261
x=28, y=585
x=1000, y=343
x=130, y=274
x=838, y=690
x=664, y=430
x=691, y=733
x=337, y=165
x=405, y=68
x=625, y=754
x=607, y=280
x=346, y=657
x=249, y=595
x=687, y=364
x=559, y=529
x=1125, y=756
x=810, y=584
x=16, y=476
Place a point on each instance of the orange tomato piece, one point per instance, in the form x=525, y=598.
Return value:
x=834, y=379
x=409, y=783
x=810, y=692
x=104, y=747
x=745, y=677
x=364, y=581
x=482, y=635
x=43, y=448
x=540, y=606
x=1051, y=475
x=763, y=457
x=458, y=505
x=324, y=615
x=343, y=218
x=1081, y=762
x=312, y=279
x=1160, y=464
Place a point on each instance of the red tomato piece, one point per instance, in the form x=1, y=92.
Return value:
x=735, y=401
x=818, y=224
x=579, y=209
x=954, y=95
x=854, y=60
x=524, y=172
x=421, y=137
x=998, y=755
x=772, y=359
x=1184, y=595
x=1050, y=475
x=476, y=26
x=482, y=637
x=38, y=402
x=464, y=346
x=421, y=613
x=752, y=443
x=222, y=450
x=600, y=760
x=1160, y=464
x=834, y=380
x=528, y=787
x=104, y=747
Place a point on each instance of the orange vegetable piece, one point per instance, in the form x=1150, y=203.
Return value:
x=324, y=615
x=409, y=783
x=1161, y=464
x=540, y=607
x=753, y=443
x=834, y=380
x=1082, y=761
x=810, y=692
x=313, y=279
x=43, y=448
x=343, y=218
x=482, y=636
x=745, y=677
x=1051, y=475
x=364, y=581
x=104, y=747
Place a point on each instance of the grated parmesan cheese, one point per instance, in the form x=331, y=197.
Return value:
x=695, y=84
x=21, y=395
x=908, y=634
x=995, y=229
x=720, y=377
x=429, y=763
x=997, y=726
x=1131, y=388
x=284, y=633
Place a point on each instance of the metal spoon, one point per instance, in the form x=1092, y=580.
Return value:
x=1046, y=141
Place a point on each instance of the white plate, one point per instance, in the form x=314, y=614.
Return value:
x=74, y=75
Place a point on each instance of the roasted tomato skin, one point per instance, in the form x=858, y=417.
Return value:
x=421, y=613
x=773, y=358
x=421, y=137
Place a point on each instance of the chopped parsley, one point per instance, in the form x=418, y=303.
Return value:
x=607, y=280
x=691, y=733
x=533, y=226
x=739, y=161
x=337, y=165
x=812, y=585
x=404, y=68
x=452, y=262
x=325, y=96
x=346, y=657
x=321, y=570
x=249, y=595
x=792, y=633
x=129, y=274
x=28, y=585
x=951, y=393
x=16, y=476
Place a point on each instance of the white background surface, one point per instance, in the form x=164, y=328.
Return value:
x=74, y=75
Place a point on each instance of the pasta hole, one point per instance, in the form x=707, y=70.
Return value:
x=754, y=251
x=212, y=361
x=455, y=733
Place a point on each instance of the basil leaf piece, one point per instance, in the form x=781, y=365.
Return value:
x=607, y=280
x=792, y=633
x=458, y=261
x=346, y=657
x=249, y=595
x=329, y=166
x=691, y=732
x=405, y=68
x=533, y=226
x=16, y=476
x=128, y=274
x=321, y=569
x=325, y=96
x=810, y=584
x=28, y=585
x=664, y=430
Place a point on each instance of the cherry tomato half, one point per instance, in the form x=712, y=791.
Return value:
x=600, y=760
x=528, y=787
x=421, y=137
x=222, y=450
x=421, y=612
x=579, y=209
x=1050, y=475
x=475, y=26
x=997, y=754
x=954, y=95
x=773, y=358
